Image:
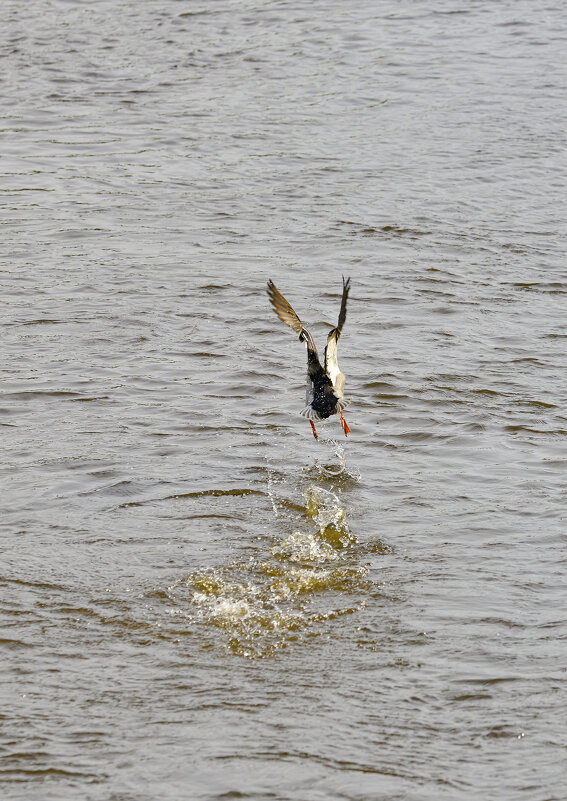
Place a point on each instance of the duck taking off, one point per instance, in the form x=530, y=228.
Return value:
x=325, y=386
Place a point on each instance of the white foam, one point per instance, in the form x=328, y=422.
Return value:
x=300, y=547
x=226, y=608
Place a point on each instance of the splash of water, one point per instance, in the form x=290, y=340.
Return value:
x=265, y=606
x=300, y=547
x=323, y=506
x=338, y=471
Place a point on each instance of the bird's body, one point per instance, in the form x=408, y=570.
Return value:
x=325, y=383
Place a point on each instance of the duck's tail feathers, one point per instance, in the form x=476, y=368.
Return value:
x=310, y=413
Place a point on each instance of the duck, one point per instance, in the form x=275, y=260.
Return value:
x=325, y=385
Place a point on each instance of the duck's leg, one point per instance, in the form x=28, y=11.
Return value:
x=344, y=424
x=315, y=434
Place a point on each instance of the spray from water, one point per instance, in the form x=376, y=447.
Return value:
x=264, y=606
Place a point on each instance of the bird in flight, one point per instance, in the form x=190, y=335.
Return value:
x=325, y=385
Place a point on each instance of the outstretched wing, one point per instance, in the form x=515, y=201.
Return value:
x=342, y=313
x=331, y=358
x=287, y=315
x=284, y=310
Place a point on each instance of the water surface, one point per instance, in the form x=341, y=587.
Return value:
x=199, y=601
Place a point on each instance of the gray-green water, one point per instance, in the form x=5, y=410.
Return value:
x=199, y=601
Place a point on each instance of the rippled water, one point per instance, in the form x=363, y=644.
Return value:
x=199, y=601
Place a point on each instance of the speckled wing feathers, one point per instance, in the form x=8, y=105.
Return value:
x=283, y=309
x=342, y=313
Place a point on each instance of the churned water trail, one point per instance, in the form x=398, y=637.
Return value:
x=290, y=590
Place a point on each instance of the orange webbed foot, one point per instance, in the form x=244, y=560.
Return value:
x=315, y=434
x=345, y=425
